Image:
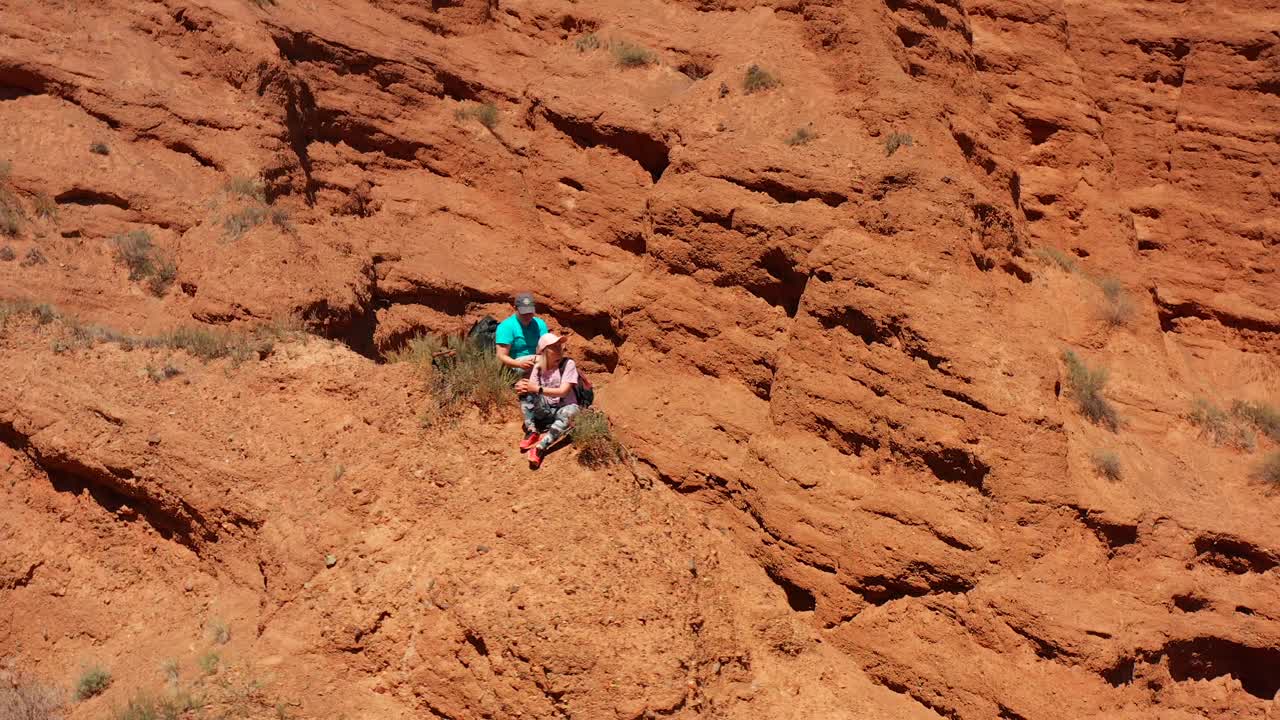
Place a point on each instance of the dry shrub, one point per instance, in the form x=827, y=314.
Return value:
x=1054, y=256
x=99, y=148
x=1086, y=386
x=586, y=42
x=247, y=187
x=137, y=252
x=628, y=55
x=1107, y=463
x=801, y=136
x=7, y=254
x=419, y=351
x=1221, y=427
x=897, y=140
x=484, y=113
x=593, y=437
x=22, y=698
x=469, y=375
x=757, y=79
x=1263, y=416
x=1268, y=471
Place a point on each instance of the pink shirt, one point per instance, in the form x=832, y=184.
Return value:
x=553, y=379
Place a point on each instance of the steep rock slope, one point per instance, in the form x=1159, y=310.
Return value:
x=845, y=353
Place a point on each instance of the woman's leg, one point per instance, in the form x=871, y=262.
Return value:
x=535, y=410
x=563, y=421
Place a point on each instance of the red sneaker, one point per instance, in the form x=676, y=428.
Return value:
x=535, y=457
x=530, y=441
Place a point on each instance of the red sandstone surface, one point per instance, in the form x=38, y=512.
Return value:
x=860, y=486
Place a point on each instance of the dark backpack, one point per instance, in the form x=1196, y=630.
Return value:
x=482, y=334
x=585, y=393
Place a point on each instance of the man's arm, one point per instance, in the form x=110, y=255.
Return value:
x=504, y=357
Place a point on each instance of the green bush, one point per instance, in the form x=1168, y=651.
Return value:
x=758, y=79
x=1086, y=387
x=801, y=136
x=1261, y=415
x=593, y=437
x=1053, y=255
x=468, y=376
x=92, y=681
x=586, y=42
x=1107, y=463
x=628, y=55
x=484, y=113
x=896, y=140
x=99, y=148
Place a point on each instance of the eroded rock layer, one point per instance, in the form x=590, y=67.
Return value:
x=825, y=303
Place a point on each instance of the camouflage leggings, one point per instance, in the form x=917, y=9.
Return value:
x=540, y=416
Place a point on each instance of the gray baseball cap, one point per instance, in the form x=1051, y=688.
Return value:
x=524, y=303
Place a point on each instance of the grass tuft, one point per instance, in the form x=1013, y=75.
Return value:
x=586, y=42
x=757, y=79
x=801, y=136
x=1117, y=309
x=145, y=706
x=219, y=631
x=1268, y=471
x=628, y=55
x=1107, y=463
x=42, y=313
x=420, y=351
x=484, y=113
x=1221, y=427
x=1086, y=387
x=1054, y=256
x=92, y=681
x=896, y=140
x=592, y=435
x=469, y=375
x=1262, y=416
x=99, y=148
x=247, y=187
x=7, y=254
x=209, y=662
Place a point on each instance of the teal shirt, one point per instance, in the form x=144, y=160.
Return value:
x=523, y=339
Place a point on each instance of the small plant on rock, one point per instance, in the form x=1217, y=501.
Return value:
x=1107, y=463
x=209, y=661
x=219, y=631
x=1221, y=427
x=92, y=681
x=801, y=136
x=139, y=254
x=593, y=437
x=758, y=79
x=99, y=148
x=629, y=56
x=484, y=113
x=1086, y=387
x=896, y=140
x=586, y=42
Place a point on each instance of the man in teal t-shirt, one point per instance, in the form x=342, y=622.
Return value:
x=517, y=336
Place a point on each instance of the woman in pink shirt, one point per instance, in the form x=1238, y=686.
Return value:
x=549, y=398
